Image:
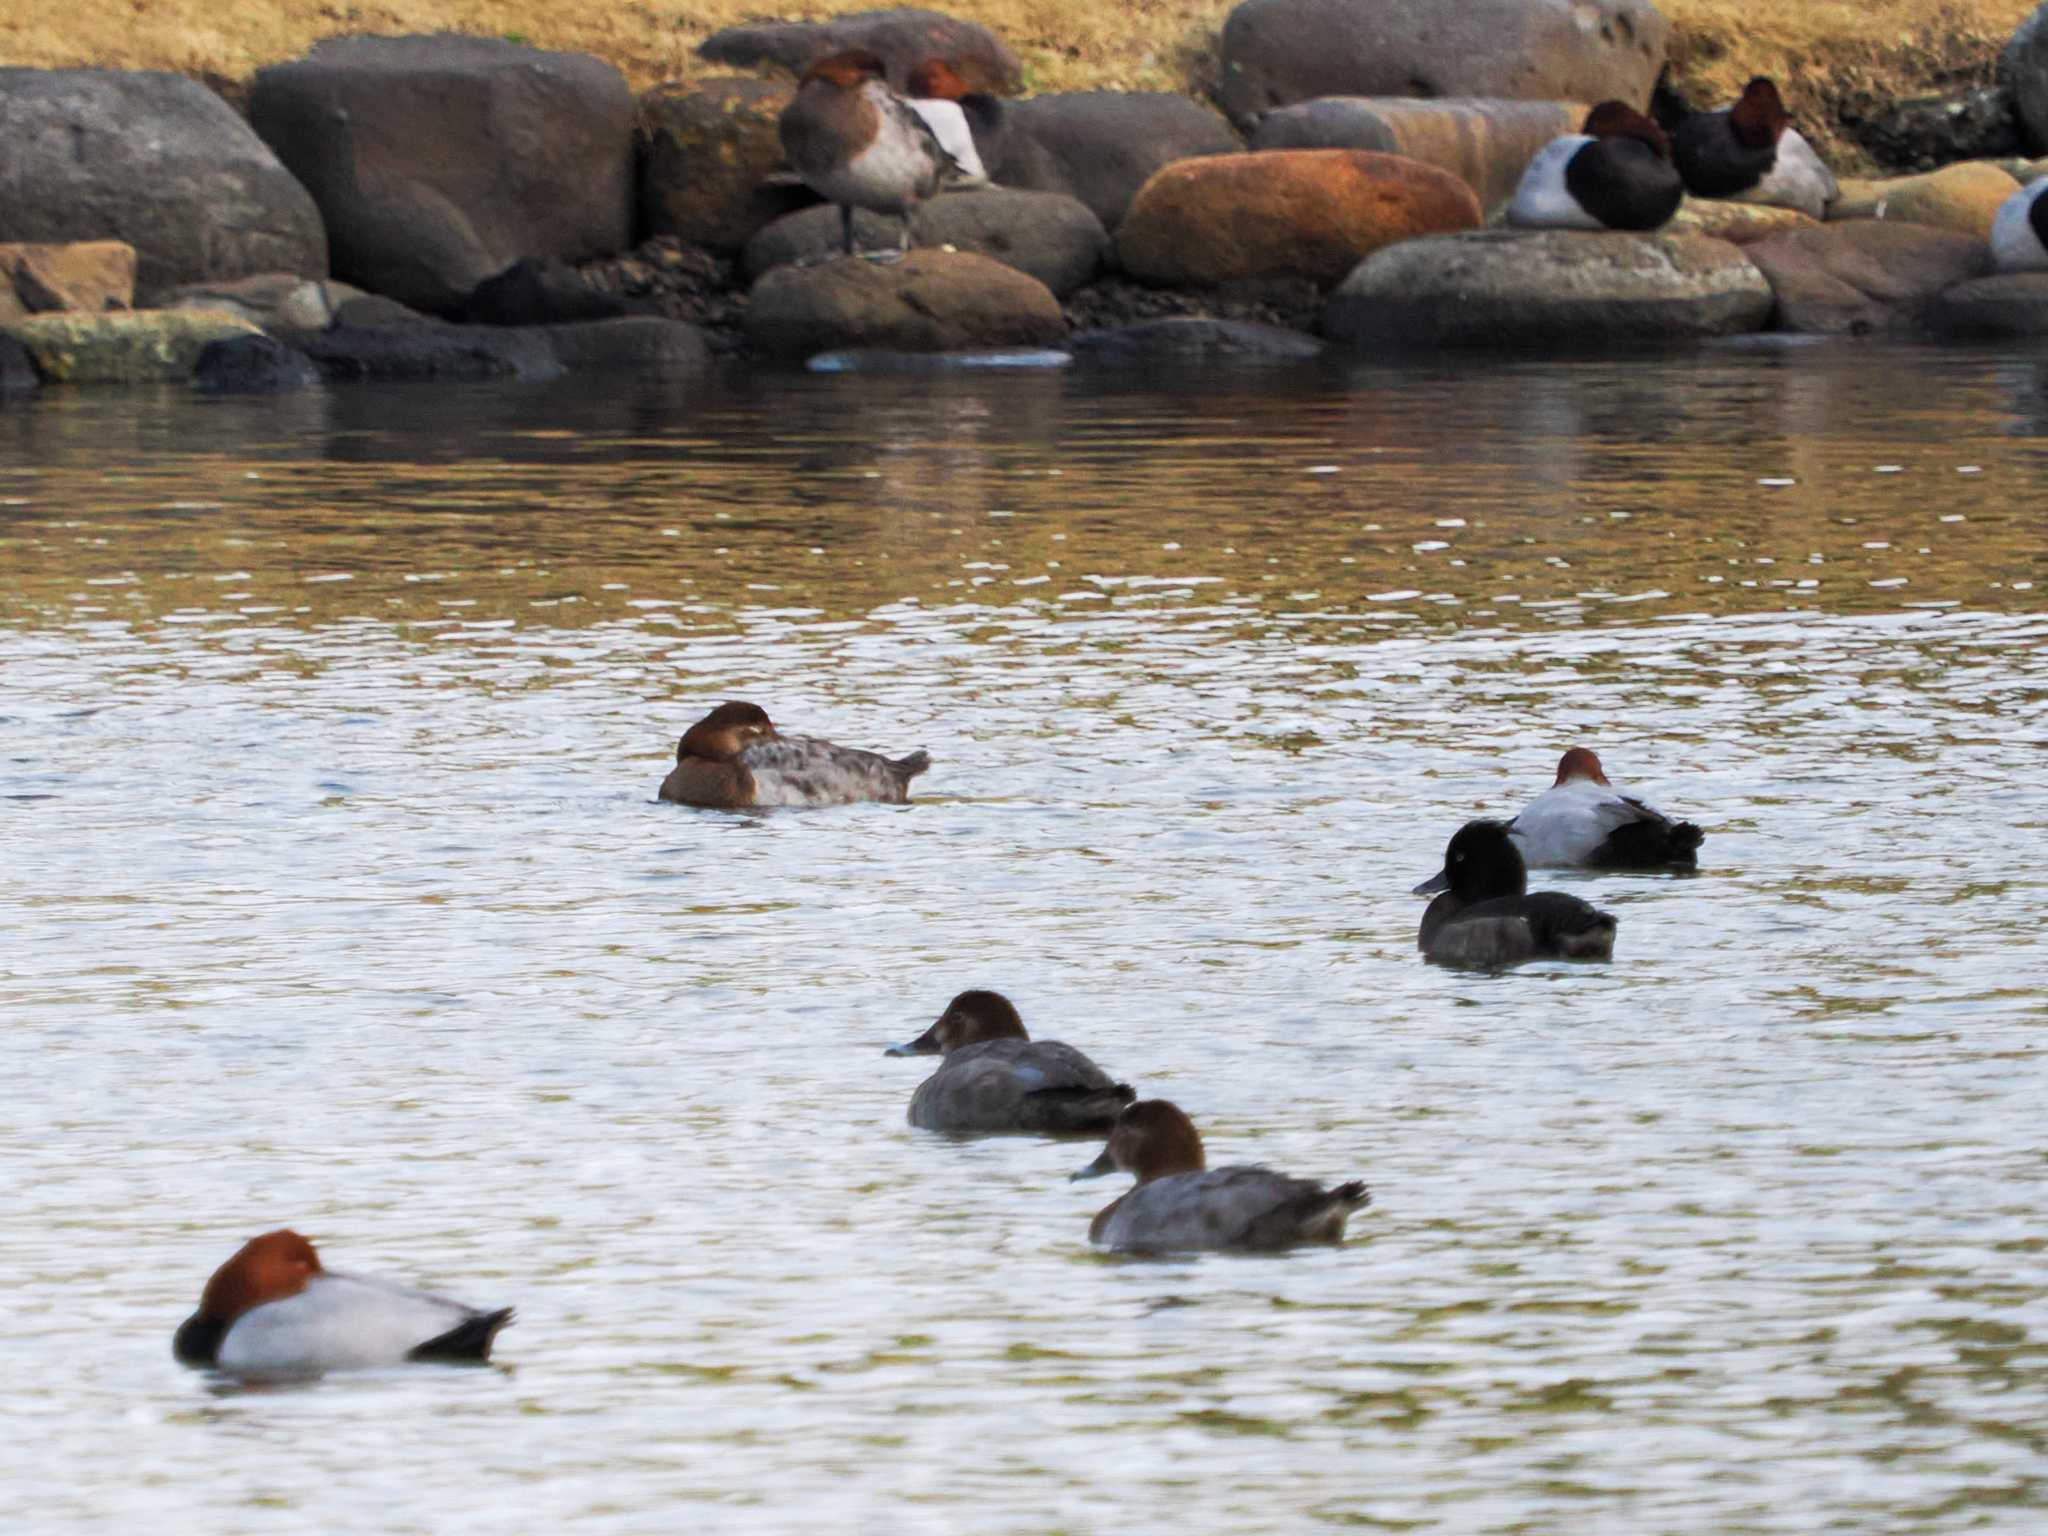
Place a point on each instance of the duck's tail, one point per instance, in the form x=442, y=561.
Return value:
x=469, y=1339
x=1650, y=844
x=908, y=768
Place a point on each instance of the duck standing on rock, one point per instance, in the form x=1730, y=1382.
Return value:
x=1485, y=915
x=1751, y=153
x=734, y=758
x=857, y=143
x=2019, y=235
x=1615, y=173
x=954, y=114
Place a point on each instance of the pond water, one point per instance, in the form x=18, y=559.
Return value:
x=334, y=893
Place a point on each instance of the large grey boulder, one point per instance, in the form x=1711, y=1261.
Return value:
x=2023, y=70
x=706, y=153
x=439, y=161
x=1487, y=143
x=1277, y=52
x=1547, y=288
x=930, y=301
x=155, y=160
x=2010, y=306
x=1866, y=276
x=904, y=38
x=1100, y=146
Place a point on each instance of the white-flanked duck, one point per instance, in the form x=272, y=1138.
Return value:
x=1585, y=822
x=2019, y=235
x=1181, y=1204
x=857, y=143
x=995, y=1077
x=1486, y=916
x=273, y=1311
x=955, y=115
x=1614, y=173
x=735, y=758
x=1751, y=153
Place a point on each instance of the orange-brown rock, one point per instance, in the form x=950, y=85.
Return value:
x=88, y=275
x=1299, y=213
x=706, y=154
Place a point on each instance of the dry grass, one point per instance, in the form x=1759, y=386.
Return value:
x=1828, y=53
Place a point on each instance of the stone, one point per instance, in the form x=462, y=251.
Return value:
x=157, y=162
x=706, y=154
x=1963, y=197
x=1865, y=276
x=1308, y=213
x=2009, y=306
x=930, y=301
x=131, y=346
x=548, y=291
x=904, y=38
x=252, y=365
x=1278, y=52
x=644, y=343
x=18, y=374
x=1197, y=338
x=1485, y=143
x=1100, y=146
x=424, y=349
x=439, y=161
x=87, y=275
x=270, y=299
x=1719, y=219
x=1548, y=288
x=1927, y=132
x=2023, y=70
x=1052, y=237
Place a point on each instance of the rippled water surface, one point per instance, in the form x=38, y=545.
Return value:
x=333, y=892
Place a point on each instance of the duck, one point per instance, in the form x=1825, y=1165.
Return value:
x=735, y=758
x=2019, y=234
x=273, y=1310
x=1614, y=173
x=954, y=114
x=995, y=1077
x=1583, y=821
x=1181, y=1204
x=857, y=143
x=1486, y=917
x=1750, y=153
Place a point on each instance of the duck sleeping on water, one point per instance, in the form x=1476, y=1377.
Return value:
x=996, y=1078
x=1584, y=821
x=857, y=143
x=735, y=758
x=1486, y=917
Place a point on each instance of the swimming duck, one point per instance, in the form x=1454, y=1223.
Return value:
x=1583, y=821
x=1181, y=1203
x=1750, y=153
x=735, y=757
x=857, y=143
x=954, y=114
x=1614, y=173
x=997, y=1078
x=2019, y=235
x=273, y=1310
x=1485, y=915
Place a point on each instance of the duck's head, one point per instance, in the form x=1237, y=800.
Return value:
x=1482, y=862
x=1151, y=1138
x=847, y=70
x=1619, y=120
x=937, y=79
x=972, y=1017
x=1759, y=116
x=725, y=733
x=1579, y=763
x=268, y=1268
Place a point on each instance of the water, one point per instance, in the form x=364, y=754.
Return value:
x=334, y=894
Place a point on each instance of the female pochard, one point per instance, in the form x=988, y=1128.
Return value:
x=1485, y=915
x=1584, y=821
x=734, y=757
x=1181, y=1204
x=996, y=1078
x=857, y=143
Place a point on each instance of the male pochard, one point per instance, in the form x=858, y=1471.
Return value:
x=1180, y=1203
x=272, y=1310
x=1584, y=821
x=2019, y=234
x=1751, y=153
x=857, y=143
x=954, y=114
x=1614, y=173
x=1485, y=915
x=734, y=757
x=996, y=1078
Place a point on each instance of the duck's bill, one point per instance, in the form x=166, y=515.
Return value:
x=926, y=1044
x=1105, y=1164
x=1440, y=881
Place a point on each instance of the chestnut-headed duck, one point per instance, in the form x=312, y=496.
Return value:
x=1751, y=153
x=734, y=757
x=954, y=114
x=1614, y=173
x=273, y=1310
x=1584, y=822
x=1181, y=1203
x=2019, y=235
x=997, y=1078
x=1486, y=916
x=857, y=143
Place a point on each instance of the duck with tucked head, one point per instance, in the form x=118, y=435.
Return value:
x=857, y=143
x=274, y=1311
x=1614, y=173
x=734, y=758
x=955, y=116
x=2019, y=234
x=1751, y=153
x=995, y=1077
x=1182, y=1204
x=1583, y=821
x=1486, y=916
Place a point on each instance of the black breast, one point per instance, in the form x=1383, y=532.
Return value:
x=1624, y=183
x=1713, y=162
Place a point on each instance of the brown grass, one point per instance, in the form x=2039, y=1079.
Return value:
x=1829, y=54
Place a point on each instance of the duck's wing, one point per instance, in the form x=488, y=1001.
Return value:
x=803, y=770
x=1240, y=1207
x=344, y=1322
x=948, y=123
x=906, y=116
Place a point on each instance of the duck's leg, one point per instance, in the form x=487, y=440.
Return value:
x=902, y=246
x=846, y=225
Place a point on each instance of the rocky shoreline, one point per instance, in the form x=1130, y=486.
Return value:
x=454, y=208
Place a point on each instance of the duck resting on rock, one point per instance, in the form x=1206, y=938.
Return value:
x=1614, y=173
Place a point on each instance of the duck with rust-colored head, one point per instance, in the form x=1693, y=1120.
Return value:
x=1751, y=153
x=1181, y=1204
x=1584, y=821
x=857, y=143
x=1614, y=173
x=734, y=758
x=2019, y=234
x=1485, y=915
x=273, y=1310
x=956, y=116
x=995, y=1077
